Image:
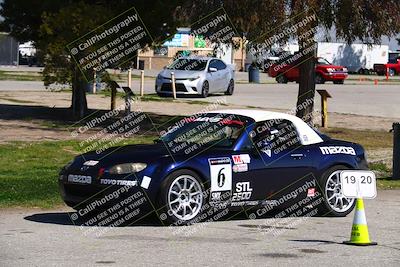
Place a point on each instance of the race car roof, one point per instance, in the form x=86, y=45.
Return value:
x=306, y=134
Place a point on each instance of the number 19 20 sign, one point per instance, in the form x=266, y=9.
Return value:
x=358, y=183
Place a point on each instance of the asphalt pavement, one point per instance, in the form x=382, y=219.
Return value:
x=365, y=99
x=48, y=238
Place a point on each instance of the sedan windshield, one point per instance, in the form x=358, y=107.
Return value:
x=188, y=64
x=323, y=61
x=221, y=130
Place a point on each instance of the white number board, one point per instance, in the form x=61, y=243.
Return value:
x=358, y=183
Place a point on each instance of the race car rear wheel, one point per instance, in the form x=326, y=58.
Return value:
x=335, y=204
x=182, y=198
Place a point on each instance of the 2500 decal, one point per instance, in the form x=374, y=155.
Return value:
x=243, y=191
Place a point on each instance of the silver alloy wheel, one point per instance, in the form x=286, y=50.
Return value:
x=185, y=197
x=205, y=89
x=334, y=196
x=231, y=86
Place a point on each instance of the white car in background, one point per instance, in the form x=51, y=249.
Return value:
x=196, y=76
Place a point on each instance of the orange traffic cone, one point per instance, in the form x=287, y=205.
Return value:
x=359, y=231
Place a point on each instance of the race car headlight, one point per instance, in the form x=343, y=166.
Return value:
x=345, y=70
x=330, y=70
x=66, y=167
x=194, y=78
x=127, y=168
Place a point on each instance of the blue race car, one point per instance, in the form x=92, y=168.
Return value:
x=235, y=159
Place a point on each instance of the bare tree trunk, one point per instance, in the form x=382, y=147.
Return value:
x=79, y=103
x=305, y=98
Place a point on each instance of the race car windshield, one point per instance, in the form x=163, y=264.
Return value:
x=212, y=130
x=188, y=64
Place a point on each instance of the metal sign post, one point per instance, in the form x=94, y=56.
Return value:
x=141, y=82
x=130, y=78
x=396, y=150
x=324, y=107
x=128, y=99
x=173, y=84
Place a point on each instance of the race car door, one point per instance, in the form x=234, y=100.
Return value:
x=276, y=162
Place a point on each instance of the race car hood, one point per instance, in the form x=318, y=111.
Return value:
x=129, y=153
x=90, y=163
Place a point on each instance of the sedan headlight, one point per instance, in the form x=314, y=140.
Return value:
x=330, y=70
x=194, y=78
x=160, y=77
x=127, y=168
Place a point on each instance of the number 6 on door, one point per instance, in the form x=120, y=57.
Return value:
x=358, y=183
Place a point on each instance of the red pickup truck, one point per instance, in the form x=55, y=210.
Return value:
x=393, y=67
x=324, y=71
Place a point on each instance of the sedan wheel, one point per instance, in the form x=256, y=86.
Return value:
x=281, y=78
x=205, y=89
x=319, y=79
x=231, y=87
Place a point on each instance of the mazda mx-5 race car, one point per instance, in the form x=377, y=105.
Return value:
x=237, y=159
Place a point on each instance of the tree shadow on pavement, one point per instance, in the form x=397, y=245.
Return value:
x=62, y=118
x=64, y=218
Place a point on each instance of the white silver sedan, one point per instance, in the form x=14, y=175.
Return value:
x=196, y=76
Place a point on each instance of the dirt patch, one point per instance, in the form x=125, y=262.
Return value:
x=22, y=114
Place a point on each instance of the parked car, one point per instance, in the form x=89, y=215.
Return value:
x=392, y=66
x=245, y=159
x=324, y=71
x=196, y=76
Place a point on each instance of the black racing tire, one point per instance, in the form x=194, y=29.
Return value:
x=231, y=87
x=326, y=207
x=319, y=79
x=205, y=89
x=281, y=78
x=73, y=205
x=338, y=82
x=169, y=202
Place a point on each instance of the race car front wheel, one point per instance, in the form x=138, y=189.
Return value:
x=335, y=203
x=182, y=198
